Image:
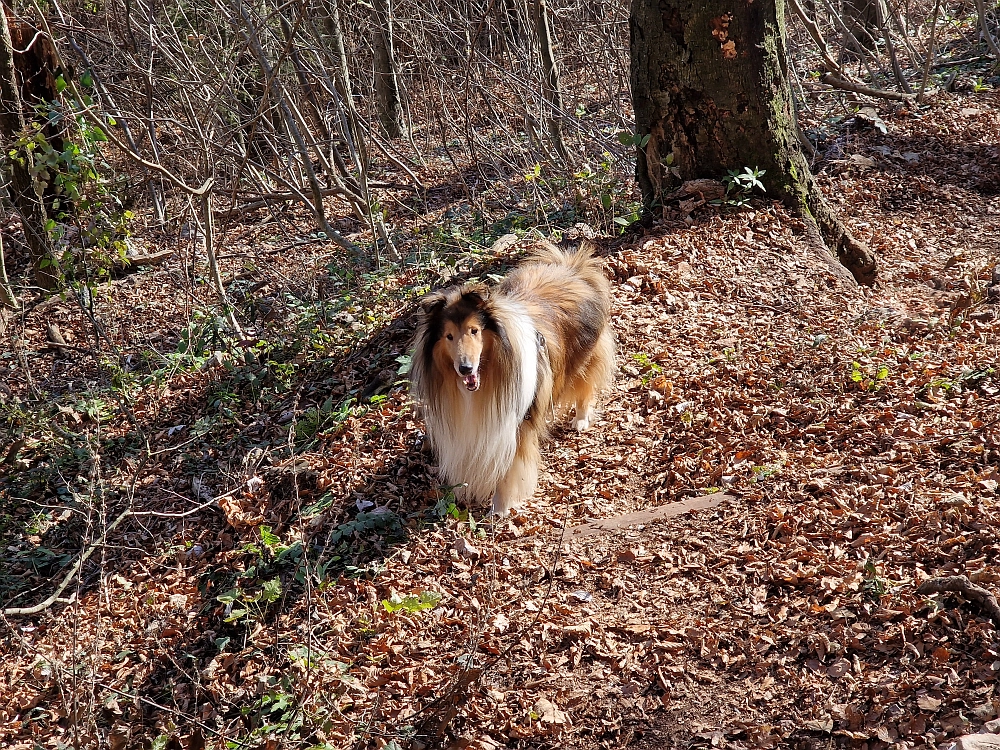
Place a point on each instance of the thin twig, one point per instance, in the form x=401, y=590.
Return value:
x=930, y=53
x=990, y=41
x=201, y=725
x=817, y=37
x=185, y=513
x=208, y=223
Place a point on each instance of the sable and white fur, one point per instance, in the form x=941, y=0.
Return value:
x=489, y=366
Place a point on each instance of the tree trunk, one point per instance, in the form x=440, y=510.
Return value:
x=390, y=107
x=22, y=186
x=37, y=65
x=710, y=89
x=551, y=91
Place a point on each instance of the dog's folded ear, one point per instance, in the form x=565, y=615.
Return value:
x=432, y=303
x=475, y=295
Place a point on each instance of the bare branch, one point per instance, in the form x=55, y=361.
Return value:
x=41, y=606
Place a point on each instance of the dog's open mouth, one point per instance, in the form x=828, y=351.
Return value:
x=471, y=382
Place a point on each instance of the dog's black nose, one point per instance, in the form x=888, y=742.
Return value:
x=465, y=369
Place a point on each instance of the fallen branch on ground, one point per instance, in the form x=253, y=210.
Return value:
x=831, y=79
x=11, y=611
x=962, y=585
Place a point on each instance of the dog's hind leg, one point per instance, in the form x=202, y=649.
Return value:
x=520, y=482
x=597, y=375
x=584, y=406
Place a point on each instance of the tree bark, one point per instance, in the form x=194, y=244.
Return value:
x=390, y=107
x=551, y=91
x=22, y=187
x=710, y=89
x=37, y=66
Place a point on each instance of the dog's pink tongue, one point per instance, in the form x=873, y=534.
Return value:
x=471, y=382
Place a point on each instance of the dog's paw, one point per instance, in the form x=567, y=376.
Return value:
x=502, y=506
x=582, y=423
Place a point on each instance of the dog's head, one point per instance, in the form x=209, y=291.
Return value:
x=458, y=319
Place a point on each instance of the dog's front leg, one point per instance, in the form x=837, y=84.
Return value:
x=521, y=480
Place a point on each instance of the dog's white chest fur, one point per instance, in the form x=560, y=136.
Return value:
x=476, y=444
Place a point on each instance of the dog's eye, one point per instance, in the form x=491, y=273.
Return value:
x=449, y=337
x=473, y=331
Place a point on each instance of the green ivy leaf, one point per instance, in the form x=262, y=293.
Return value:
x=411, y=603
x=271, y=590
x=269, y=538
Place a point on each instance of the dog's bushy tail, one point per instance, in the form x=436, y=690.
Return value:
x=581, y=260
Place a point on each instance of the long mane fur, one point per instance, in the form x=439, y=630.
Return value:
x=545, y=342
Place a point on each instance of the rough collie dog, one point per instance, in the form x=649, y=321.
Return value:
x=490, y=366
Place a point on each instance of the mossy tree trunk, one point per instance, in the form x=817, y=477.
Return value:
x=710, y=88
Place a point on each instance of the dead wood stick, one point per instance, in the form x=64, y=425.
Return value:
x=149, y=259
x=10, y=611
x=65, y=348
x=963, y=61
x=55, y=338
x=930, y=52
x=830, y=79
x=962, y=585
x=983, y=24
x=13, y=451
x=817, y=37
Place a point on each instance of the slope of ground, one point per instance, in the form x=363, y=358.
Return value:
x=855, y=434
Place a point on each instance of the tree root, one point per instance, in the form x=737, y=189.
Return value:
x=962, y=585
x=822, y=253
x=852, y=253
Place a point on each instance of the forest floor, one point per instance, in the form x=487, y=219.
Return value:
x=272, y=564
